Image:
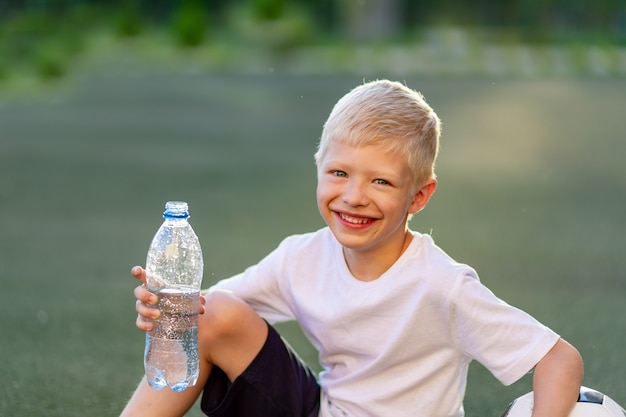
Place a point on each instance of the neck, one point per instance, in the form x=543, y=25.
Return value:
x=370, y=265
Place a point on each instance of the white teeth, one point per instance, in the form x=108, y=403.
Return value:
x=354, y=220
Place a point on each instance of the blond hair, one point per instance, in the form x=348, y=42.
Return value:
x=386, y=113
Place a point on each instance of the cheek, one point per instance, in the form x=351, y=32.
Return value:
x=397, y=207
x=323, y=189
x=325, y=193
x=322, y=207
x=319, y=195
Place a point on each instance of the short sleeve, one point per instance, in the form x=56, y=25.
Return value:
x=260, y=286
x=506, y=340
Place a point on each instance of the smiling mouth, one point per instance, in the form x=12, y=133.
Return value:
x=354, y=220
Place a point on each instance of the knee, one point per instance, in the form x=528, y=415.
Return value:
x=230, y=333
x=225, y=314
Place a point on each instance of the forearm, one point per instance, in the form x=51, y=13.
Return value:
x=556, y=381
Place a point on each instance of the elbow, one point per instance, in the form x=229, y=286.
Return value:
x=564, y=360
x=581, y=365
x=576, y=362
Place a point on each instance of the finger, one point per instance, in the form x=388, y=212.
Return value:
x=146, y=312
x=143, y=324
x=139, y=273
x=202, y=308
x=145, y=296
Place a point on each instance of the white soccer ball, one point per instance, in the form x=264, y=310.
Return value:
x=591, y=403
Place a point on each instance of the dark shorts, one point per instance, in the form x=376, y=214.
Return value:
x=277, y=383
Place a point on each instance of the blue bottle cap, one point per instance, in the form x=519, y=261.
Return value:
x=176, y=210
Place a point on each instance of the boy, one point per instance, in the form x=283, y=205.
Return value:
x=396, y=321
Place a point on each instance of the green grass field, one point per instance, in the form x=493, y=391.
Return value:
x=532, y=194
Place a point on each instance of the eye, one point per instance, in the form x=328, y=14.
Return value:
x=380, y=181
x=338, y=173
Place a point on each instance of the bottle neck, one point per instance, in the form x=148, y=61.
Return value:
x=175, y=216
x=175, y=221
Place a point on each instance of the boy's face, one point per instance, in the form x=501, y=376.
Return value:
x=365, y=196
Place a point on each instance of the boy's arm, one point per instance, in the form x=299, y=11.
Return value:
x=556, y=381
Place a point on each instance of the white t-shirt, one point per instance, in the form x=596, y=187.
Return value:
x=399, y=345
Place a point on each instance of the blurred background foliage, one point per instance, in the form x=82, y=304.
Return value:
x=43, y=39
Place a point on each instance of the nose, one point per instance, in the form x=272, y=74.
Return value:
x=355, y=194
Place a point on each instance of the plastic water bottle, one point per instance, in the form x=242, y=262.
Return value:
x=174, y=273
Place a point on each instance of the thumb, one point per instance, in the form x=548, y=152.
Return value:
x=139, y=273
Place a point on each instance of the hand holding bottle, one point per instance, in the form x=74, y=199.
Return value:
x=146, y=315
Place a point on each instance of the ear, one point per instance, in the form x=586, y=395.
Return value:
x=422, y=196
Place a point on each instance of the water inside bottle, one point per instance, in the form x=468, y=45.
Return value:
x=171, y=347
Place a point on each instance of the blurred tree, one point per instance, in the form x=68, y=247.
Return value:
x=324, y=12
x=268, y=9
x=190, y=23
x=370, y=19
x=357, y=20
x=129, y=20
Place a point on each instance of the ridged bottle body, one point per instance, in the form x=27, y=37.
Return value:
x=174, y=268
